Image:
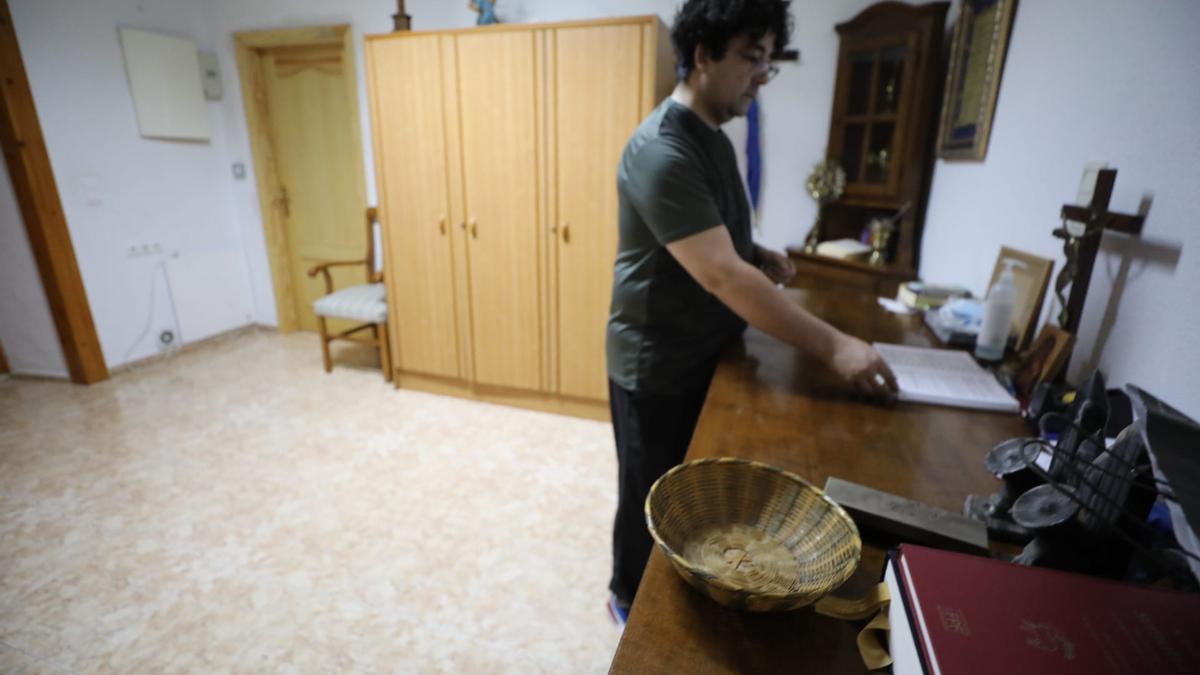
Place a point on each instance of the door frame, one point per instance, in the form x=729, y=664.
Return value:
x=249, y=46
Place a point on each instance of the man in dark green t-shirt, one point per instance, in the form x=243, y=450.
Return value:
x=688, y=275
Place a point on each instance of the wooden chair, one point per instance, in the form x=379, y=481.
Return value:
x=365, y=302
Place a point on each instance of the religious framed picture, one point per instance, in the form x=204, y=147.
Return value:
x=973, y=78
x=1043, y=361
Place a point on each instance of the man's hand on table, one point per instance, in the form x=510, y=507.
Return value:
x=778, y=267
x=861, y=365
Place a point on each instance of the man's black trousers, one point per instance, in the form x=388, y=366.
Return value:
x=652, y=433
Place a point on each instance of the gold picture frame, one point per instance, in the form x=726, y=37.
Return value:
x=973, y=78
x=1031, y=282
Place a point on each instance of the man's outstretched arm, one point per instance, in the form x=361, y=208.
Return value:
x=711, y=259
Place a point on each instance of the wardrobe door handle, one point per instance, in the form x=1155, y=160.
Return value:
x=442, y=224
x=566, y=232
x=474, y=229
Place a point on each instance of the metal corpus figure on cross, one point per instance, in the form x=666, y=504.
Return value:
x=1081, y=231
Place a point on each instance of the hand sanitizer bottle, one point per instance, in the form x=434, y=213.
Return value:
x=998, y=314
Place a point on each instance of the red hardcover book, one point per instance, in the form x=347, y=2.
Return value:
x=953, y=613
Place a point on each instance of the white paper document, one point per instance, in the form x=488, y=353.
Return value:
x=945, y=377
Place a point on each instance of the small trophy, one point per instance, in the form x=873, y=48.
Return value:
x=880, y=232
x=824, y=185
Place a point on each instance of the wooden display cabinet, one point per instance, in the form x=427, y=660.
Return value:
x=884, y=121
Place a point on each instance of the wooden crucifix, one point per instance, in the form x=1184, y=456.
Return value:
x=400, y=20
x=1081, y=231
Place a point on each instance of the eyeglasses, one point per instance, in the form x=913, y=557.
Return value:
x=761, y=66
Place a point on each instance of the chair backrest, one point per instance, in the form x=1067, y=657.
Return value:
x=374, y=266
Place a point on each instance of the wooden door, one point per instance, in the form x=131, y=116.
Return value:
x=410, y=143
x=499, y=150
x=313, y=132
x=597, y=94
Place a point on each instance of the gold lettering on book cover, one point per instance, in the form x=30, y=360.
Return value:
x=953, y=620
x=1047, y=638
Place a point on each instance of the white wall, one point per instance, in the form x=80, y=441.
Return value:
x=27, y=329
x=120, y=190
x=1107, y=80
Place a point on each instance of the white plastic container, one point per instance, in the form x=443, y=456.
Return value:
x=998, y=315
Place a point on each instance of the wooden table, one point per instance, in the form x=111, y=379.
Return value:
x=822, y=272
x=769, y=403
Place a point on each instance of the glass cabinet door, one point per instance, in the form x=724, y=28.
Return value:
x=853, y=139
x=879, y=153
x=891, y=78
x=862, y=68
x=871, y=112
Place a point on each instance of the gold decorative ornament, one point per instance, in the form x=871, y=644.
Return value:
x=825, y=184
x=880, y=159
x=881, y=231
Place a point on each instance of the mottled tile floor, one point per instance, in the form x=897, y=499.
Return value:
x=235, y=509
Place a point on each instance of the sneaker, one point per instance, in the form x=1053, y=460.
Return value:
x=618, y=614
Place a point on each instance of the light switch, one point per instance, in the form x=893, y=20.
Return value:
x=210, y=75
x=239, y=171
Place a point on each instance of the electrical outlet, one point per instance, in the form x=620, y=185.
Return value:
x=141, y=250
x=166, y=340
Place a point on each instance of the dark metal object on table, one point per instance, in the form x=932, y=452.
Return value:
x=1044, y=507
x=1050, y=511
x=1014, y=461
x=888, y=519
x=1011, y=461
x=1082, y=438
x=1087, y=513
x=1090, y=525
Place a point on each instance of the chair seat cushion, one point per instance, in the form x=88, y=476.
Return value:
x=365, y=303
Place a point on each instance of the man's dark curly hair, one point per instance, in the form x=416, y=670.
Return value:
x=712, y=23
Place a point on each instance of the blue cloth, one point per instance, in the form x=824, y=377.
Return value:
x=753, y=155
x=487, y=12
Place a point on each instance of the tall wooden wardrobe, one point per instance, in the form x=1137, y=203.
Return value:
x=496, y=152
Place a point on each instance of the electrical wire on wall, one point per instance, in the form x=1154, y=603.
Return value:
x=168, y=340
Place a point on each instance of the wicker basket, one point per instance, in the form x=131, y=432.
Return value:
x=752, y=536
